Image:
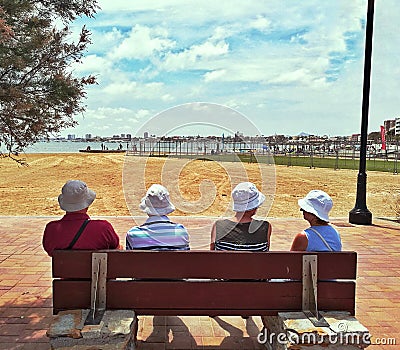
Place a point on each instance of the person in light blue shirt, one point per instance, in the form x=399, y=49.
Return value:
x=320, y=236
x=158, y=232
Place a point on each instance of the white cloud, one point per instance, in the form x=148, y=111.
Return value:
x=134, y=89
x=118, y=114
x=292, y=77
x=119, y=88
x=112, y=37
x=193, y=57
x=184, y=11
x=143, y=113
x=221, y=33
x=110, y=120
x=104, y=40
x=385, y=82
x=261, y=23
x=167, y=97
x=214, y=75
x=94, y=64
x=142, y=42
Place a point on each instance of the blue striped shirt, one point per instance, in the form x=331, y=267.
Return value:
x=158, y=233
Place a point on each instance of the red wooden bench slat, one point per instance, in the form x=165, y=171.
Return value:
x=204, y=264
x=335, y=298
x=171, y=297
x=70, y=295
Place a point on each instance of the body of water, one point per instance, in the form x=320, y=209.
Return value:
x=72, y=147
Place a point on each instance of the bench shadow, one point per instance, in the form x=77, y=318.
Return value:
x=171, y=330
x=232, y=330
x=236, y=339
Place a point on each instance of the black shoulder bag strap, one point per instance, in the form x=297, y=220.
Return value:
x=157, y=222
x=78, y=234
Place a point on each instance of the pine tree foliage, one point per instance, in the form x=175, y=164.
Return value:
x=39, y=93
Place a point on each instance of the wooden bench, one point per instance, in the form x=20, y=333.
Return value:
x=204, y=282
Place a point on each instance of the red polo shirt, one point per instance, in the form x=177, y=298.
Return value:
x=98, y=234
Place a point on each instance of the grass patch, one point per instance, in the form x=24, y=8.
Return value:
x=338, y=163
x=383, y=165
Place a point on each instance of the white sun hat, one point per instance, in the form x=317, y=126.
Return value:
x=246, y=196
x=75, y=195
x=156, y=201
x=317, y=202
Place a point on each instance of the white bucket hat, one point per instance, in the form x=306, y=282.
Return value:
x=156, y=201
x=246, y=196
x=318, y=203
x=75, y=195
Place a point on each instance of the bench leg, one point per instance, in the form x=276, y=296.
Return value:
x=268, y=346
x=266, y=331
x=135, y=331
x=133, y=344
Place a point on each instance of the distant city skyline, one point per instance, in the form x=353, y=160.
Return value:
x=147, y=135
x=288, y=67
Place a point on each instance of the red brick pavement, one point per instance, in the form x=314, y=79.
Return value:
x=25, y=287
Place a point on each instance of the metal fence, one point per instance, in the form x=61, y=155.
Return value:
x=326, y=154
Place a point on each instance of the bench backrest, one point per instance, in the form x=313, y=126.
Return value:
x=224, y=283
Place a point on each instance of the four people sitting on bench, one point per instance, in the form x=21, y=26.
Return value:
x=158, y=232
x=242, y=232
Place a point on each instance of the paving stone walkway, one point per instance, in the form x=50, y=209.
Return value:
x=25, y=287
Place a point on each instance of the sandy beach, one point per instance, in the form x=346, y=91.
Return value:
x=197, y=187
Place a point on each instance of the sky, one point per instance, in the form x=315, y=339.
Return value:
x=284, y=66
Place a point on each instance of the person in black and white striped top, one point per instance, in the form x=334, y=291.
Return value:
x=242, y=232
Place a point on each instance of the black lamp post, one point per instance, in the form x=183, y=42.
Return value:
x=360, y=213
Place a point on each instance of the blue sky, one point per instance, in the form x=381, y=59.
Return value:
x=287, y=66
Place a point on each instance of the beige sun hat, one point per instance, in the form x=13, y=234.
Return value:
x=156, y=201
x=246, y=197
x=75, y=195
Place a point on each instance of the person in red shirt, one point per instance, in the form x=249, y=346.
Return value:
x=75, y=198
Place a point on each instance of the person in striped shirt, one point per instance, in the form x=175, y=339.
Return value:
x=158, y=232
x=242, y=232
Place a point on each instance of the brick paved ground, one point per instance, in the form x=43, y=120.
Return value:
x=25, y=287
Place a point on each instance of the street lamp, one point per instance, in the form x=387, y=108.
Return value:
x=360, y=213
